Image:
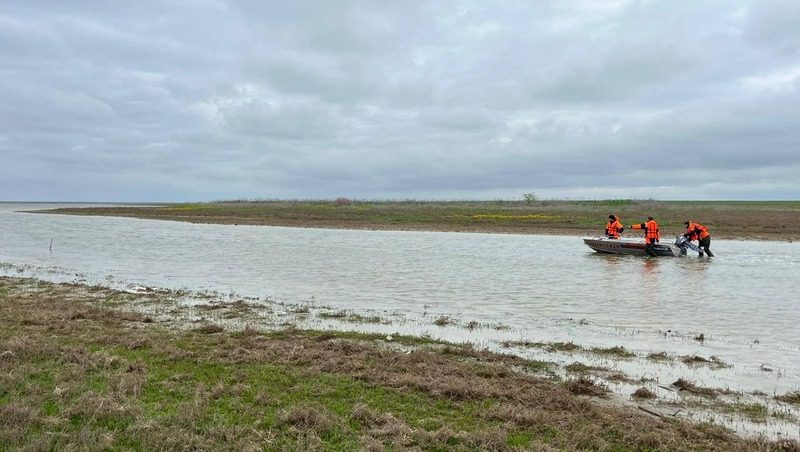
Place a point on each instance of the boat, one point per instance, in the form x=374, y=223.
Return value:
x=636, y=247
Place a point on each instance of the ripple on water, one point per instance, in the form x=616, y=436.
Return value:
x=542, y=288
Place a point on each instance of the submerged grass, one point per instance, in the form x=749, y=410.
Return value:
x=686, y=385
x=553, y=347
x=549, y=346
x=75, y=374
x=352, y=317
x=659, y=356
x=754, y=411
x=713, y=362
x=618, y=351
x=790, y=397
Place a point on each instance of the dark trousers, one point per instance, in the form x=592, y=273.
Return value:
x=650, y=247
x=706, y=245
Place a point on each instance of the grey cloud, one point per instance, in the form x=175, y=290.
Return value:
x=460, y=120
x=166, y=100
x=773, y=23
x=292, y=120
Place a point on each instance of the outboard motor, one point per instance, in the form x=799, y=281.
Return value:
x=683, y=243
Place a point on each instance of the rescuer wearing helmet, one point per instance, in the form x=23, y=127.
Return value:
x=696, y=231
x=651, y=235
x=614, y=228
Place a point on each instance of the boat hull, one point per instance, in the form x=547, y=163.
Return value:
x=629, y=246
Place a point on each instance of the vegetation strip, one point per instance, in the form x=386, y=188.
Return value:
x=773, y=220
x=77, y=374
x=617, y=351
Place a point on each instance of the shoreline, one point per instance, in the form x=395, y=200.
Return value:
x=772, y=221
x=153, y=311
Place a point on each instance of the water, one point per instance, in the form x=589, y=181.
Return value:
x=539, y=288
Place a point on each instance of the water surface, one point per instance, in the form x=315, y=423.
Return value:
x=540, y=288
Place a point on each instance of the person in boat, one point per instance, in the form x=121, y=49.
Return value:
x=651, y=235
x=613, y=228
x=696, y=231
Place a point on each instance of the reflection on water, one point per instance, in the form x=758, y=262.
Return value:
x=543, y=288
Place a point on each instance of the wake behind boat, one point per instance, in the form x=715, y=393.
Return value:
x=634, y=247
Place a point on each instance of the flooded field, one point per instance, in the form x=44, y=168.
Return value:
x=728, y=323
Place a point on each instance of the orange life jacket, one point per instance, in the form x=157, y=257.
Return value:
x=614, y=228
x=650, y=230
x=697, y=231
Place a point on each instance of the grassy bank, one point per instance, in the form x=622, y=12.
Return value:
x=77, y=372
x=726, y=219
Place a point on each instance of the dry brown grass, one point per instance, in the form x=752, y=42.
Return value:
x=644, y=393
x=713, y=361
x=80, y=384
x=660, y=356
x=586, y=386
x=790, y=397
x=685, y=385
x=209, y=329
x=309, y=419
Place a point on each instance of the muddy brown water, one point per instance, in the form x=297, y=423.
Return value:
x=518, y=287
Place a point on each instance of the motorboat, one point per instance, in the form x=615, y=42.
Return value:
x=636, y=247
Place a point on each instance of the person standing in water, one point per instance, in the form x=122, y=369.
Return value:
x=696, y=231
x=651, y=235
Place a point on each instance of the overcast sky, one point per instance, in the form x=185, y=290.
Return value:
x=212, y=99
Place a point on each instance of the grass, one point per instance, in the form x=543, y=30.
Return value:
x=725, y=219
x=75, y=374
x=584, y=385
x=444, y=321
x=579, y=367
x=619, y=352
x=790, y=397
x=713, y=362
x=352, y=317
x=551, y=347
x=754, y=411
x=686, y=385
x=659, y=356
x=643, y=393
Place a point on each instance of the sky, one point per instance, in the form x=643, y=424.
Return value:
x=255, y=99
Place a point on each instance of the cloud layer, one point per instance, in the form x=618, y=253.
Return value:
x=168, y=100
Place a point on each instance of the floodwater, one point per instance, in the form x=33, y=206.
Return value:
x=527, y=287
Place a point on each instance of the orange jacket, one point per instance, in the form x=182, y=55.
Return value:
x=650, y=230
x=696, y=231
x=614, y=228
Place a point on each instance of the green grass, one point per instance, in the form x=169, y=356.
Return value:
x=352, y=317
x=778, y=219
x=617, y=351
x=207, y=396
x=753, y=411
x=77, y=376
